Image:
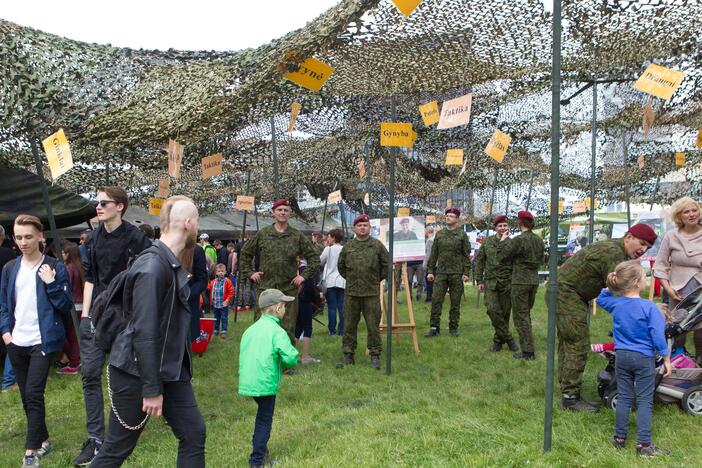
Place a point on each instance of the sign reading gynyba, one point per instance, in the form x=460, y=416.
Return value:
x=397, y=134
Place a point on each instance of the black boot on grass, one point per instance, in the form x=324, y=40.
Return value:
x=433, y=331
x=525, y=355
x=512, y=346
x=375, y=362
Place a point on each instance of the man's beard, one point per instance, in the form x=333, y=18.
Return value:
x=191, y=240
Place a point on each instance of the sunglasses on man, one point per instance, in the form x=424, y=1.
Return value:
x=102, y=203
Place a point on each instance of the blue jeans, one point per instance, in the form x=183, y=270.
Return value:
x=636, y=375
x=8, y=374
x=221, y=316
x=335, y=304
x=262, y=428
x=428, y=287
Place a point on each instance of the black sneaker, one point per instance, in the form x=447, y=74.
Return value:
x=618, y=442
x=575, y=403
x=89, y=450
x=453, y=332
x=525, y=355
x=433, y=331
x=375, y=362
x=650, y=450
x=496, y=347
x=512, y=346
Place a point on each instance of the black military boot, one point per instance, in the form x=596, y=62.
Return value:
x=512, y=346
x=496, y=347
x=576, y=403
x=453, y=332
x=433, y=331
x=348, y=360
x=375, y=362
x=527, y=356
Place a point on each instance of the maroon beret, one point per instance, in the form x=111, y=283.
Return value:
x=525, y=215
x=363, y=218
x=317, y=233
x=455, y=211
x=643, y=232
x=280, y=202
x=499, y=219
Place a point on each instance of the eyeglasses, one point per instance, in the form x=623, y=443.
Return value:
x=102, y=203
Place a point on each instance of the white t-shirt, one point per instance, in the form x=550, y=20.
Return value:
x=329, y=260
x=26, y=331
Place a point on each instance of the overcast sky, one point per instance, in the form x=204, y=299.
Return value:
x=160, y=24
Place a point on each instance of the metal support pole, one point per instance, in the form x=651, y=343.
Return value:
x=509, y=187
x=531, y=189
x=274, y=149
x=391, y=230
x=625, y=150
x=107, y=174
x=553, y=235
x=655, y=192
x=239, y=279
x=593, y=163
x=324, y=213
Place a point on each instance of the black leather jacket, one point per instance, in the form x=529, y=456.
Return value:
x=155, y=344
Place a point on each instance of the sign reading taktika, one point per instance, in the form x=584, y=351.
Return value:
x=659, y=81
x=212, y=165
x=403, y=212
x=311, y=75
x=58, y=154
x=455, y=112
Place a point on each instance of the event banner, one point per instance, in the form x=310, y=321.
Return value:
x=58, y=154
x=408, y=238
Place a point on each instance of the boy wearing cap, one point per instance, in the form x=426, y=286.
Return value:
x=277, y=248
x=526, y=253
x=264, y=351
x=363, y=262
x=494, y=277
x=580, y=280
x=448, y=266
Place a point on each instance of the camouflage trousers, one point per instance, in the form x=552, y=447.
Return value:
x=573, y=339
x=354, y=306
x=523, y=297
x=499, y=304
x=290, y=318
x=452, y=283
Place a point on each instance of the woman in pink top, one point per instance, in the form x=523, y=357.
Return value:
x=679, y=260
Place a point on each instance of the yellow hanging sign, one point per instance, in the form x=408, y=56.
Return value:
x=163, y=188
x=497, y=146
x=244, y=203
x=659, y=81
x=175, y=158
x=587, y=202
x=679, y=159
x=155, y=205
x=487, y=207
x=58, y=154
x=211, y=165
x=430, y=113
x=579, y=206
x=311, y=75
x=699, y=139
x=397, y=134
x=430, y=219
x=403, y=212
x=294, y=111
x=454, y=157
x=334, y=197
x=561, y=206
x=406, y=7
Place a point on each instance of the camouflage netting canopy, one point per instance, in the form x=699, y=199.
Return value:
x=120, y=106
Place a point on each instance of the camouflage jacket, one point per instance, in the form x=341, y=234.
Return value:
x=586, y=271
x=277, y=254
x=363, y=264
x=526, y=252
x=488, y=269
x=450, y=253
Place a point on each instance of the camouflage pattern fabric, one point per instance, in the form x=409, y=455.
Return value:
x=450, y=253
x=454, y=284
x=526, y=252
x=363, y=264
x=523, y=296
x=586, y=272
x=369, y=306
x=499, y=302
x=488, y=268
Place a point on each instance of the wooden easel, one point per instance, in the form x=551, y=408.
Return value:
x=397, y=327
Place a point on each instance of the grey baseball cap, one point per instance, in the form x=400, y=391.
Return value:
x=271, y=297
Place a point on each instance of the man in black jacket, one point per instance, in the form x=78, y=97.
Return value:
x=150, y=363
x=108, y=250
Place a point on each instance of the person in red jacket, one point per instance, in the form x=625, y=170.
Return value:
x=221, y=292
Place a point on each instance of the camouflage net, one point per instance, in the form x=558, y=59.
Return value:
x=120, y=106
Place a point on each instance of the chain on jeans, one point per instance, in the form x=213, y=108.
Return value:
x=114, y=410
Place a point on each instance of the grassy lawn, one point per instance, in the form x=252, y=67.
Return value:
x=455, y=404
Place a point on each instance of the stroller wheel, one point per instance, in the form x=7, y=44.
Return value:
x=610, y=399
x=692, y=401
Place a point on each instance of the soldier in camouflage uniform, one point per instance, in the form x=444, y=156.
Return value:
x=448, y=266
x=318, y=242
x=363, y=262
x=580, y=280
x=277, y=248
x=494, y=278
x=526, y=253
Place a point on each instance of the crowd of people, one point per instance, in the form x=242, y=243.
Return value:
x=60, y=310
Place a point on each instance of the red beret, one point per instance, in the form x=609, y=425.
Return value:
x=361, y=219
x=317, y=233
x=455, y=211
x=643, y=232
x=525, y=215
x=280, y=202
x=499, y=219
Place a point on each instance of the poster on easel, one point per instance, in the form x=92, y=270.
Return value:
x=408, y=238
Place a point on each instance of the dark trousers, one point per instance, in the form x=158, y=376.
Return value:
x=428, y=286
x=335, y=305
x=636, y=375
x=179, y=408
x=304, y=320
x=92, y=361
x=32, y=366
x=262, y=428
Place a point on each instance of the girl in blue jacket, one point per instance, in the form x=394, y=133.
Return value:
x=34, y=300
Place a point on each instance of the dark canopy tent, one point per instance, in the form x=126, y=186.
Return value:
x=20, y=192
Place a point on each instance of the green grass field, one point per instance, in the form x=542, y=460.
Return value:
x=455, y=404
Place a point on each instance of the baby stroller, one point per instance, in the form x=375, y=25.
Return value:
x=685, y=383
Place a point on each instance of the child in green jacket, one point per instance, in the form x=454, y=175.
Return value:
x=264, y=351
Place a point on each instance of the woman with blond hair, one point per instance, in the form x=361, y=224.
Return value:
x=679, y=260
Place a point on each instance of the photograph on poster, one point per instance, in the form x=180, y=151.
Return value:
x=408, y=239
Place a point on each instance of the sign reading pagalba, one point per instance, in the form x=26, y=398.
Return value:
x=58, y=154
x=311, y=75
x=212, y=165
